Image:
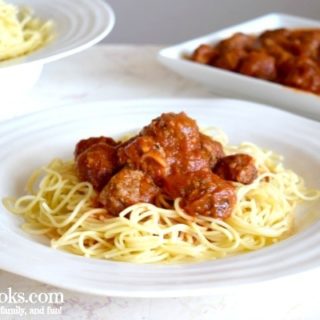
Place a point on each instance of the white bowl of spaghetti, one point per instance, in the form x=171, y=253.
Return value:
x=35, y=32
x=71, y=243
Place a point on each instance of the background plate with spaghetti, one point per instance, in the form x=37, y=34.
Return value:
x=31, y=141
x=77, y=25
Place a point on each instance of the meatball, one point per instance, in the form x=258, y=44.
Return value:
x=97, y=164
x=296, y=42
x=204, y=54
x=238, y=167
x=232, y=50
x=259, y=65
x=302, y=73
x=171, y=143
x=230, y=59
x=212, y=150
x=84, y=144
x=126, y=188
x=179, y=138
x=175, y=132
x=280, y=54
x=305, y=43
x=144, y=153
x=277, y=36
x=237, y=41
x=202, y=193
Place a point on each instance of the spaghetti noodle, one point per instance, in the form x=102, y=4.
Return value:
x=21, y=32
x=61, y=207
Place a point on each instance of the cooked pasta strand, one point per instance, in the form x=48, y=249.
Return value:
x=21, y=32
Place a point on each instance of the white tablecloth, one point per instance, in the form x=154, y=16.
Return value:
x=129, y=72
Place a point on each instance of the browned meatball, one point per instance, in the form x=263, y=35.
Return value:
x=179, y=138
x=306, y=43
x=204, y=54
x=238, y=167
x=217, y=199
x=175, y=132
x=202, y=193
x=237, y=41
x=84, y=144
x=131, y=151
x=169, y=144
x=277, y=36
x=144, y=153
x=126, y=188
x=229, y=60
x=259, y=65
x=97, y=164
x=302, y=73
x=212, y=150
x=279, y=53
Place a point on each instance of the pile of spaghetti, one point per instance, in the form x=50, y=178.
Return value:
x=61, y=207
x=21, y=32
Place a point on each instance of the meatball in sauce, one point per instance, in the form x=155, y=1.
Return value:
x=238, y=168
x=169, y=156
x=97, y=164
x=126, y=188
x=288, y=57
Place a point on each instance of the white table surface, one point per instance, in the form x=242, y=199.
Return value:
x=129, y=72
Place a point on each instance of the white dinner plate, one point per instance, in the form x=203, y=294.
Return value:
x=234, y=85
x=78, y=25
x=31, y=141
